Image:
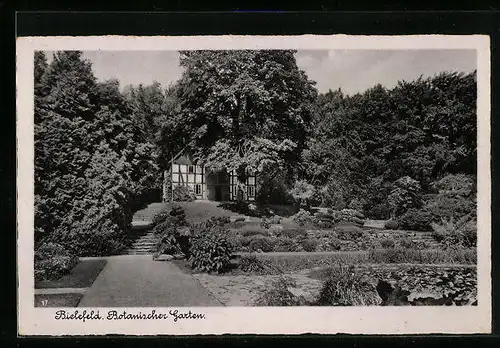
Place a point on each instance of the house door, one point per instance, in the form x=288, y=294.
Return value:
x=218, y=193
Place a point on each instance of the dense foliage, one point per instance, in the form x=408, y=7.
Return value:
x=211, y=248
x=407, y=153
x=52, y=261
x=385, y=147
x=93, y=164
x=241, y=110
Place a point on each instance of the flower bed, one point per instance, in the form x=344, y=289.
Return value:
x=420, y=280
x=268, y=263
x=459, y=282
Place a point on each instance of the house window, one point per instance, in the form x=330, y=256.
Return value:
x=190, y=169
x=197, y=189
x=251, y=191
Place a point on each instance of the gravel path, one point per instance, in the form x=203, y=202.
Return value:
x=138, y=281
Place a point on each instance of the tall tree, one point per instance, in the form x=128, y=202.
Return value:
x=92, y=160
x=242, y=110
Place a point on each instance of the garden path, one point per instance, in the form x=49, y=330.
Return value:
x=138, y=281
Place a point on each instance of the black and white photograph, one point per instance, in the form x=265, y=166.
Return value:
x=316, y=177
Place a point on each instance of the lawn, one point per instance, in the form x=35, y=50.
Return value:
x=81, y=276
x=57, y=300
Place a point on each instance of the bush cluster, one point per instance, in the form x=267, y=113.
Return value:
x=279, y=294
x=416, y=220
x=345, y=287
x=183, y=194
x=404, y=255
x=391, y=225
x=452, y=233
x=349, y=232
x=211, y=248
x=303, y=218
x=52, y=261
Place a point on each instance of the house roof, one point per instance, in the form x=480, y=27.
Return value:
x=183, y=159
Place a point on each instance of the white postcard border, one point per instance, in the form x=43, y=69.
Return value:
x=249, y=320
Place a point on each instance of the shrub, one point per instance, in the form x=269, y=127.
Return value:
x=175, y=215
x=284, y=244
x=160, y=217
x=334, y=243
x=302, y=192
x=165, y=227
x=349, y=232
x=52, y=261
x=211, y=249
x=236, y=241
x=293, y=233
x=309, y=244
x=391, y=225
x=387, y=243
x=447, y=206
x=344, y=287
x=253, y=265
x=407, y=243
x=261, y=243
x=416, y=220
x=221, y=220
x=462, y=232
x=458, y=184
x=254, y=231
x=265, y=223
x=406, y=194
x=275, y=220
x=357, y=204
x=279, y=294
x=381, y=211
x=168, y=243
x=98, y=233
x=303, y=218
x=400, y=255
x=182, y=194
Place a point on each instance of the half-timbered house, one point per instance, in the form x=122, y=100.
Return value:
x=206, y=184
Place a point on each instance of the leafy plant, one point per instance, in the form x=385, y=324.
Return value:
x=406, y=194
x=253, y=265
x=387, y=243
x=345, y=287
x=303, y=218
x=284, y=244
x=416, y=220
x=293, y=233
x=462, y=232
x=334, y=243
x=183, y=194
x=261, y=243
x=210, y=249
x=309, y=244
x=52, y=261
x=279, y=294
x=302, y=192
x=391, y=225
x=254, y=232
x=349, y=232
x=265, y=223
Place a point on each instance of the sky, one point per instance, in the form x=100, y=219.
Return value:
x=351, y=70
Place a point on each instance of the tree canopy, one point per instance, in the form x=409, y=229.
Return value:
x=241, y=110
x=92, y=163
